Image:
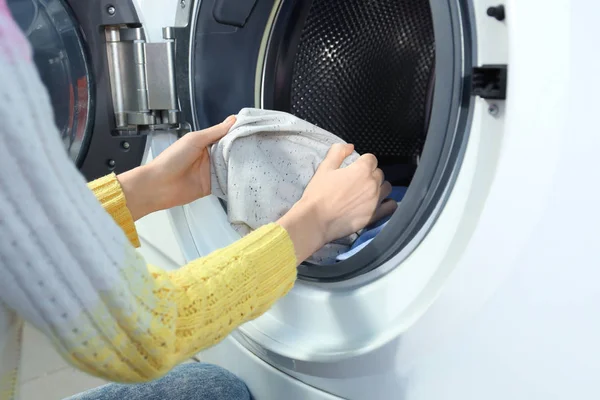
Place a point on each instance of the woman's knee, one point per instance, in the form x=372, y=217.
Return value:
x=192, y=381
x=214, y=382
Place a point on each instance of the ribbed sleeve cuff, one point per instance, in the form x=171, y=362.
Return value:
x=110, y=194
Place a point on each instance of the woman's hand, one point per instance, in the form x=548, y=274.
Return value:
x=338, y=201
x=178, y=176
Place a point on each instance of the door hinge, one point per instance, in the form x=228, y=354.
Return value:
x=489, y=82
x=142, y=80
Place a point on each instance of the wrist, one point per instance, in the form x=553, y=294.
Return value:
x=137, y=185
x=305, y=229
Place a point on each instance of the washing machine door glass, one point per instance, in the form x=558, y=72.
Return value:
x=386, y=75
x=61, y=59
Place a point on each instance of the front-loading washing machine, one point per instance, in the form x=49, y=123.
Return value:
x=485, y=282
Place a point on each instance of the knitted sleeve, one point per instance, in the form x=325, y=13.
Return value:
x=110, y=194
x=71, y=271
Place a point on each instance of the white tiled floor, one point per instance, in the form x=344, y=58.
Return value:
x=44, y=374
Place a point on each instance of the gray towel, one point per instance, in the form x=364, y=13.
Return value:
x=262, y=166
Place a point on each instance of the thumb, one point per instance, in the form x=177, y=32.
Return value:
x=213, y=134
x=336, y=156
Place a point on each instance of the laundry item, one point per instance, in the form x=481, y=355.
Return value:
x=368, y=234
x=262, y=166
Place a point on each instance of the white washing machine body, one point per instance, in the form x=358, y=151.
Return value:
x=499, y=298
x=496, y=296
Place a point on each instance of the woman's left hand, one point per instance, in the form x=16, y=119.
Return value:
x=178, y=176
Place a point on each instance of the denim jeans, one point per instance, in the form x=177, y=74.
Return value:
x=193, y=381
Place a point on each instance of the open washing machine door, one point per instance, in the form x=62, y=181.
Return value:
x=109, y=71
x=110, y=87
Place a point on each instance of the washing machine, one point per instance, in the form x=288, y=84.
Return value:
x=485, y=284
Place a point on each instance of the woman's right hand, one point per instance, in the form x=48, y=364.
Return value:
x=338, y=201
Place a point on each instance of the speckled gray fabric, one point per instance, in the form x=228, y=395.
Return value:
x=262, y=166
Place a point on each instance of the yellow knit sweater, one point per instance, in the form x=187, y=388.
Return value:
x=193, y=307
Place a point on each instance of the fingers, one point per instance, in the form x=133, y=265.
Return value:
x=368, y=161
x=215, y=133
x=336, y=156
x=386, y=208
x=205, y=137
x=378, y=175
x=386, y=190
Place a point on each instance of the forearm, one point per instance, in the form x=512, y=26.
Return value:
x=141, y=190
x=303, y=227
x=126, y=324
x=245, y=278
x=231, y=286
x=69, y=269
x=178, y=313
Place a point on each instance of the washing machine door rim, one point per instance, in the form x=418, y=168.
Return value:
x=323, y=321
